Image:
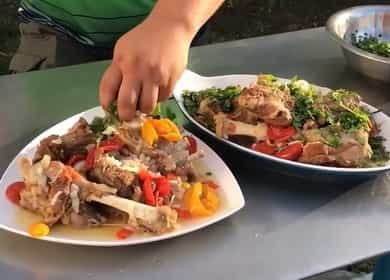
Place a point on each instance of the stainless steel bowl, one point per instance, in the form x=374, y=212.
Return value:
x=363, y=20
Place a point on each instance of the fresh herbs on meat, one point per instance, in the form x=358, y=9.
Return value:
x=103, y=126
x=352, y=116
x=305, y=99
x=222, y=99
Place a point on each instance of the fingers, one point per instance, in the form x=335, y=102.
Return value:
x=149, y=97
x=109, y=86
x=128, y=97
x=166, y=91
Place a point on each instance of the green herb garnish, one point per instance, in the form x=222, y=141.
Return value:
x=99, y=125
x=371, y=44
x=352, y=117
x=221, y=98
x=305, y=99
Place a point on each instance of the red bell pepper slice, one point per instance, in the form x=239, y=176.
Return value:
x=163, y=186
x=148, y=192
x=192, y=145
x=75, y=159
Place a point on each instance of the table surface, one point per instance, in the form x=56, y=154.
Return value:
x=289, y=229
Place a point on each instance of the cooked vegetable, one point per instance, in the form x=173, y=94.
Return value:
x=13, y=192
x=124, y=233
x=291, y=152
x=200, y=200
x=39, y=230
x=149, y=133
x=280, y=134
x=192, y=145
x=264, y=147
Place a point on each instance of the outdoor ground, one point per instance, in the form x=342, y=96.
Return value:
x=235, y=20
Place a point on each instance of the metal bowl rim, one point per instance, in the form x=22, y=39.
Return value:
x=349, y=46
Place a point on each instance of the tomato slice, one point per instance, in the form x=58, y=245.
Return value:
x=291, y=152
x=264, y=147
x=280, y=134
x=13, y=192
x=192, y=145
x=124, y=233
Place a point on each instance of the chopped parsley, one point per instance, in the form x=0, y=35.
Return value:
x=371, y=44
x=353, y=117
x=221, y=98
x=101, y=125
x=305, y=99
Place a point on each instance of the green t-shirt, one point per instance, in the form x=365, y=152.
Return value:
x=101, y=21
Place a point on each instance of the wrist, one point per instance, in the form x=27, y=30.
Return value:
x=174, y=23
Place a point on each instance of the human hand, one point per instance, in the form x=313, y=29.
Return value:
x=147, y=62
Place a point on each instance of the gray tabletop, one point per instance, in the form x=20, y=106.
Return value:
x=289, y=229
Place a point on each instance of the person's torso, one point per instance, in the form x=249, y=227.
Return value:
x=100, y=21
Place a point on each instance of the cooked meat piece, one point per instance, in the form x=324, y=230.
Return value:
x=112, y=172
x=87, y=216
x=57, y=169
x=187, y=172
x=244, y=115
x=353, y=149
x=50, y=202
x=270, y=104
x=158, y=160
x=178, y=151
x=317, y=153
x=205, y=108
x=49, y=187
x=51, y=146
x=79, y=136
x=73, y=142
x=129, y=133
x=155, y=219
x=310, y=124
x=226, y=127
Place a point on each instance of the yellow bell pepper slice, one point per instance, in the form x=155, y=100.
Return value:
x=210, y=198
x=149, y=133
x=39, y=230
x=167, y=129
x=201, y=200
x=161, y=126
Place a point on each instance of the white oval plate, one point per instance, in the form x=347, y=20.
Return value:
x=16, y=220
x=195, y=82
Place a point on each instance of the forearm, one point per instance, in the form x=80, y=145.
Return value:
x=188, y=14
